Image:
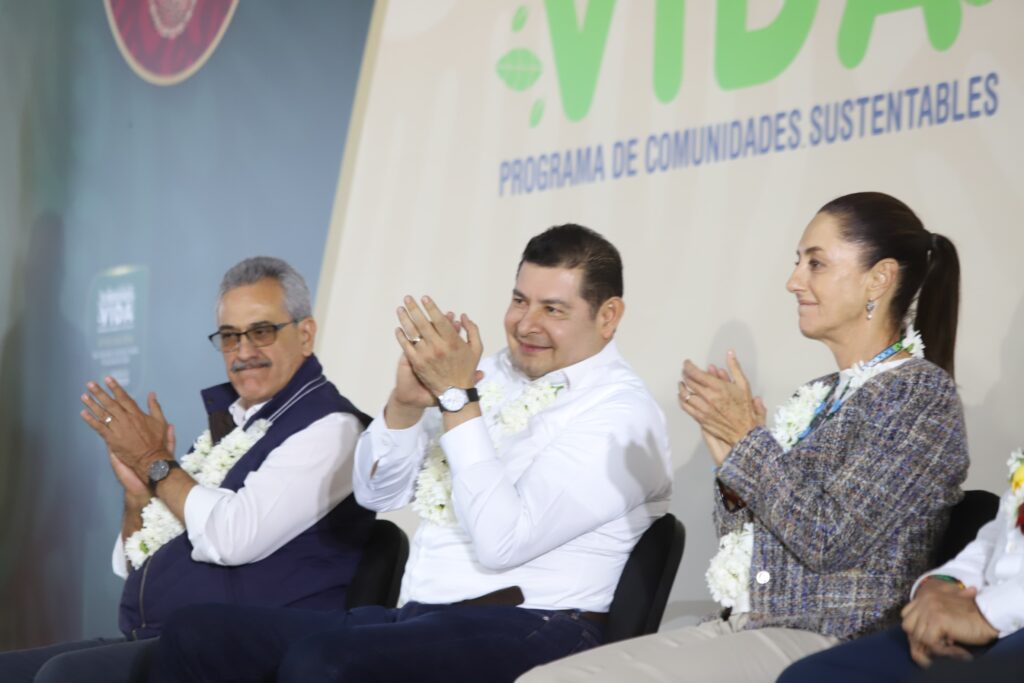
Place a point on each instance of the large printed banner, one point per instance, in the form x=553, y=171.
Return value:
x=700, y=137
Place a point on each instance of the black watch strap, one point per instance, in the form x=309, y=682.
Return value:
x=171, y=466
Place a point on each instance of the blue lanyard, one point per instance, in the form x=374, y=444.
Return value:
x=829, y=407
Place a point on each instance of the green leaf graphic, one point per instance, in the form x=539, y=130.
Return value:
x=519, y=20
x=536, y=112
x=519, y=68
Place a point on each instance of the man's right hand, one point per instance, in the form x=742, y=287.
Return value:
x=136, y=492
x=408, y=399
x=941, y=619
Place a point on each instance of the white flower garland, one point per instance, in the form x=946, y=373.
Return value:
x=792, y=417
x=728, y=574
x=1016, y=494
x=433, y=497
x=208, y=464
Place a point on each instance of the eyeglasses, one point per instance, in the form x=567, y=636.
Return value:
x=260, y=335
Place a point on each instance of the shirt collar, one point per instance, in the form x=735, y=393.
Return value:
x=574, y=375
x=241, y=415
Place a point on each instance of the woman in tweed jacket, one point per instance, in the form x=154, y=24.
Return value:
x=842, y=511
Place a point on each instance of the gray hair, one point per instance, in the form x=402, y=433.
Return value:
x=252, y=270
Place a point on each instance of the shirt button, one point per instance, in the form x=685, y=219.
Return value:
x=763, y=577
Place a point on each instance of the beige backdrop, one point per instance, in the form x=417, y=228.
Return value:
x=707, y=249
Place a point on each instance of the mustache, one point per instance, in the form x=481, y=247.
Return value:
x=253, y=364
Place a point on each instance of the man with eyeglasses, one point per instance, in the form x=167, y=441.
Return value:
x=535, y=471
x=258, y=512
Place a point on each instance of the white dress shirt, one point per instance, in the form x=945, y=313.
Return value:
x=994, y=564
x=298, y=483
x=555, y=510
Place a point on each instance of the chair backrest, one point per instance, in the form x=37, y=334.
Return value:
x=642, y=592
x=378, y=576
x=965, y=519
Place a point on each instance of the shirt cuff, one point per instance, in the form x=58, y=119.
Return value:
x=384, y=440
x=1003, y=606
x=199, y=506
x=118, y=561
x=467, y=445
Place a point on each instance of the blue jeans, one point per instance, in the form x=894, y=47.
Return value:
x=885, y=658
x=444, y=643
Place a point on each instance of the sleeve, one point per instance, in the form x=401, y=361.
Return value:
x=969, y=565
x=906, y=455
x=299, y=483
x=605, y=462
x=118, y=560
x=388, y=462
x=1002, y=604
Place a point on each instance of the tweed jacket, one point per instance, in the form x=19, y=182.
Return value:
x=849, y=517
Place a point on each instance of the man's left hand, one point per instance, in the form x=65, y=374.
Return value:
x=438, y=354
x=132, y=436
x=942, y=618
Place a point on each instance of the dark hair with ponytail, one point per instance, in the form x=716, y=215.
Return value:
x=884, y=227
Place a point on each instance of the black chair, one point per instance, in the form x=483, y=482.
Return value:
x=378, y=576
x=642, y=592
x=975, y=510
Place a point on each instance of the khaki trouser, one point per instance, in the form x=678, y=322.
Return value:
x=714, y=652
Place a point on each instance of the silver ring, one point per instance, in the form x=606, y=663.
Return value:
x=687, y=397
x=414, y=340
x=108, y=419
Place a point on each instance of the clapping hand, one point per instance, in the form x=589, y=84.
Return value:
x=434, y=342
x=434, y=348
x=132, y=437
x=720, y=401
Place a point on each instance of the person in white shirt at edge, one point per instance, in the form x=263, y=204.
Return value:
x=967, y=615
x=261, y=516
x=558, y=461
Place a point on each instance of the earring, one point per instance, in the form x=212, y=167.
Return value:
x=870, y=308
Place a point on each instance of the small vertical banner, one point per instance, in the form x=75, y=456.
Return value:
x=119, y=300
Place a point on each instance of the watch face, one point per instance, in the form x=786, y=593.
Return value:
x=453, y=399
x=158, y=470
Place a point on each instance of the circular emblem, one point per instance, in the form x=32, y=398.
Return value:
x=166, y=41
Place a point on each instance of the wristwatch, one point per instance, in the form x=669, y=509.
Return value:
x=158, y=471
x=454, y=399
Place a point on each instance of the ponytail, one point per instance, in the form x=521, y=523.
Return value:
x=938, y=303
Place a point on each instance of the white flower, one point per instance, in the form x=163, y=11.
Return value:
x=491, y=396
x=537, y=396
x=912, y=342
x=433, y=499
x=793, y=417
x=135, y=549
x=728, y=574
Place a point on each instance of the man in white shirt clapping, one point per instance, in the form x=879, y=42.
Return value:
x=535, y=471
x=259, y=511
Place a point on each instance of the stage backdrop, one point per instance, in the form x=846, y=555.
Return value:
x=700, y=137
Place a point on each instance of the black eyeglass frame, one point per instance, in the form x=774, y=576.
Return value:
x=216, y=337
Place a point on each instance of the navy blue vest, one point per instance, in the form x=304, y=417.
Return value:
x=311, y=571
